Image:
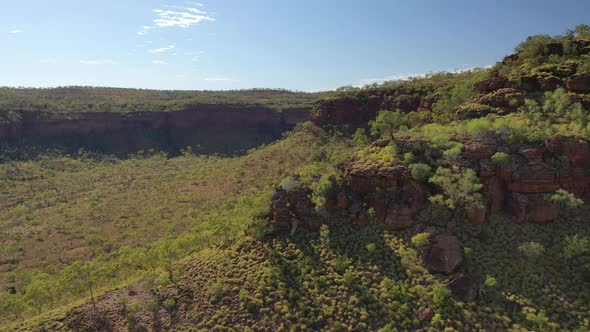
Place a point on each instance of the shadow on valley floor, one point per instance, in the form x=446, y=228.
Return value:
x=124, y=142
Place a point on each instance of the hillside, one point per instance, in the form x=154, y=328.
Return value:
x=455, y=202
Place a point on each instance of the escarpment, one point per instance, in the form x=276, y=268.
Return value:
x=394, y=197
x=209, y=128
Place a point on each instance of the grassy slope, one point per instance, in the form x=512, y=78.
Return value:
x=58, y=210
x=337, y=282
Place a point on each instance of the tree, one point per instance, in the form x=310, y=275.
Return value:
x=260, y=228
x=39, y=293
x=360, y=138
x=10, y=304
x=420, y=172
x=577, y=252
x=533, y=49
x=80, y=277
x=168, y=253
x=460, y=188
x=582, y=31
x=388, y=123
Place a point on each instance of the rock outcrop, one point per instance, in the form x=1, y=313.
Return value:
x=443, y=254
x=464, y=288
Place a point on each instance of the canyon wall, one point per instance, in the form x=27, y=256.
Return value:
x=210, y=128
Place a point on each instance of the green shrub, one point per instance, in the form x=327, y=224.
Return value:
x=325, y=234
x=566, y=199
x=319, y=189
x=490, y=282
x=169, y=304
x=576, y=246
x=218, y=290
x=531, y=249
x=371, y=247
x=260, y=228
x=360, y=138
x=420, y=172
x=453, y=153
x=501, y=159
x=289, y=183
x=388, y=123
x=420, y=240
x=440, y=296
x=408, y=158
x=460, y=186
x=341, y=264
x=476, y=128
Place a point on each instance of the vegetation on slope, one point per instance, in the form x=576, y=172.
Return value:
x=68, y=101
x=126, y=216
x=361, y=278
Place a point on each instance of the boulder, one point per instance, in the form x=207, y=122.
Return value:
x=463, y=288
x=425, y=314
x=444, y=254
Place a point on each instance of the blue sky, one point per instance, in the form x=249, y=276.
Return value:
x=304, y=45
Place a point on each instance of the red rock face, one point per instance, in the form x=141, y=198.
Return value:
x=36, y=124
x=390, y=191
x=578, y=84
x=213, y=128
x=502, y=98
x=490, y=85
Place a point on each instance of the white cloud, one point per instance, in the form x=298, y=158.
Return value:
x=162, y=49
x=220, y=79
x=144, y=30
x=16, y=31
x=180, y=17
x=159, y=62
x=96, y=62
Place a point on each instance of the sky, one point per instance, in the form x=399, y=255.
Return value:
x=304, y=45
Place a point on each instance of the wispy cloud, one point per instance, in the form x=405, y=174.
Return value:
x=162, y=49
x=15, y=31
x=144, y=30
x=180, y=17
x=159, y=62
x=96, y=62
x=220, y=79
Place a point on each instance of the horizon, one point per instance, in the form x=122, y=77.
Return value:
x=230, y=45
